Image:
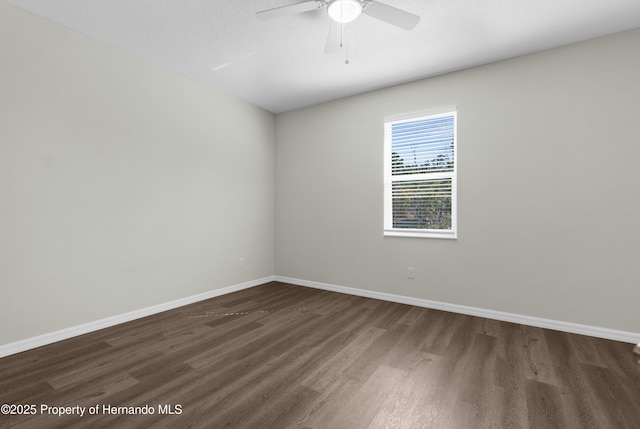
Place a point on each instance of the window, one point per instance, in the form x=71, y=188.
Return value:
x=420, y=174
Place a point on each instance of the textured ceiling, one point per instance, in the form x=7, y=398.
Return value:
x=280, y=64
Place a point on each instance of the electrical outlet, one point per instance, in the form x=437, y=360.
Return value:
x=241, y=262
x=411, y=273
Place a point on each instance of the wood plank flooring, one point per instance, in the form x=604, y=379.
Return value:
x=281, y=356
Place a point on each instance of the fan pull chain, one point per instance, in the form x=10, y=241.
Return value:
x=344, y=45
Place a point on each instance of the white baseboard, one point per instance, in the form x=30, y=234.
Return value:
x=63, y=334
x=52, y=337
x=574, y=328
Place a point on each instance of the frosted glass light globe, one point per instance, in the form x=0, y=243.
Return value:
x=344, y=11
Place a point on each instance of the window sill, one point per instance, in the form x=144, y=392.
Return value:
x=419, y=233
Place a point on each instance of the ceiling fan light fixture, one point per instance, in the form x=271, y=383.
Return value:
x=344, y=11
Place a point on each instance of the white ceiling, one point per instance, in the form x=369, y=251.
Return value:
x=280, y=64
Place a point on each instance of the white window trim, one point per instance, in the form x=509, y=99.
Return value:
x=388, y=205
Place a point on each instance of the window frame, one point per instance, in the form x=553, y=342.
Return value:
x=389, y=230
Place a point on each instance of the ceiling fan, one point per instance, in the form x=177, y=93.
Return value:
x=343, y=12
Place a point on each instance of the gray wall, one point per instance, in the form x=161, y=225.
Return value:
x=122, y=185
x=119, y=185
x=547, y=188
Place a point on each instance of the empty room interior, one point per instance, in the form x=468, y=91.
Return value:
x=319, y=214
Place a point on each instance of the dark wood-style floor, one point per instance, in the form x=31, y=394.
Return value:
x=283, y=356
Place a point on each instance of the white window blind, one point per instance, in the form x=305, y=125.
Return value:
x=420, y=175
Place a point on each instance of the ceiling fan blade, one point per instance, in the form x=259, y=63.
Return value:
x=291, y=9
x=391, y=15
x=334, y=38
